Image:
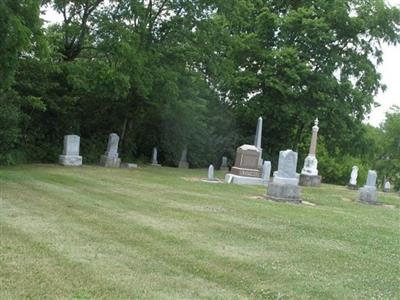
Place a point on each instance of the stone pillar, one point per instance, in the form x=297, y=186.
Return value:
x=258, y=137
x=110, y=159
x=309, y=173
x=70, y=155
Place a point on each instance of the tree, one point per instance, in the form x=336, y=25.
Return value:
x=19, y=26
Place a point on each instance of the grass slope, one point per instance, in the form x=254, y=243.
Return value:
x=161, y=233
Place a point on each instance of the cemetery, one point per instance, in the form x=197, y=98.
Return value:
x=199, y=149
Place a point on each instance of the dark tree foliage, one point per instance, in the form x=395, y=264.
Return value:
x=170, y=73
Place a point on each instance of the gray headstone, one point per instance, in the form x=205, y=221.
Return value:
x=368, y=193
x=266, y=171
x=71, y=145
x=371, y=179
x=70, y=155
x=110, y=158
x=112, y=146
x=387, y=186
x=287, y=164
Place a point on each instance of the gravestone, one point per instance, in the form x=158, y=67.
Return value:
x=110, y=159
x=309, y=174
x=353, y=178
x=154, y=158
x=386, y=187
x=368, y=193
x=70, y=155
x=284, y=186
x=224, y=164
x=183, y=163
x=248, y=162
x=266, y=170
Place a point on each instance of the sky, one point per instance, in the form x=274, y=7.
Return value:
x=389, y=69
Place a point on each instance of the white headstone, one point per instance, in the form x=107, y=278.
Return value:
x=71, y=145
x=387, y=186
x=70, y=155
x=354, y=175
x=287, y=165
x=266, y=171
x=211, y=173
x=110, y=158
x=371, y=179
x=112, y=146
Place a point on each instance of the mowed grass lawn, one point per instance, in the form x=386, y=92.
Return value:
x=161, y=233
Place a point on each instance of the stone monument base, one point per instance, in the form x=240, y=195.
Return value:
x=70, y=160
x=246, y=172
x=386, y=190
x=284, y=192
x=183, y=165
x=310, y=180
x=368, y=195
x=235, y=179
x=108, y=162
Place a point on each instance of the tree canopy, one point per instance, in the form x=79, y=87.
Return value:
x=171, y=73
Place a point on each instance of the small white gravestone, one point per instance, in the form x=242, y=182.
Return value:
x=70, y=155
x=154, y=158
x=210, y=176
x=387, y=186
x=266, y=171
x=284, y=186
x=353, y=178
x=287, y=166
x=368, y=193
x=110, y=159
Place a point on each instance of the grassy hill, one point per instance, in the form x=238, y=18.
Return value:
x=161, y=233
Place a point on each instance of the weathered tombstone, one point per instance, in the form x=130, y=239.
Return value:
x=284, y=186
x=183, y=163
x=210, y=176
x=353, y=178
x=70, y=155
x=309, y=174
x=248, y=162
x=368, y=193
x=154, y=158
x=266, y=171
x=110, y=158
x=224, y=164
x=386, y=186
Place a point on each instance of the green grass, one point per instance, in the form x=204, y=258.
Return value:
x=161, y=233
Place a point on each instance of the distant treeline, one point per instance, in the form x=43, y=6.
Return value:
x=170, y=73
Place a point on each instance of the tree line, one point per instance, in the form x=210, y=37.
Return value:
x=170, y=73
